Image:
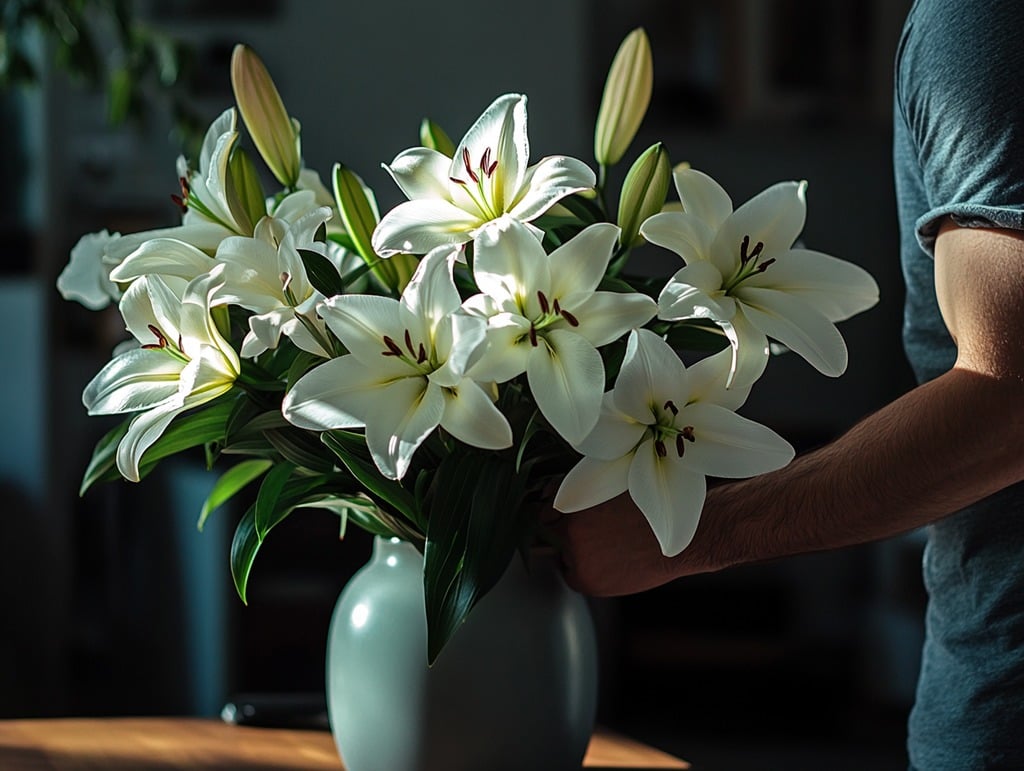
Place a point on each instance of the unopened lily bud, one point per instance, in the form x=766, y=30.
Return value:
x=643, y=191
x=245, y=193
x=627, y=92
x=359, y=215
x=273, y=132
x=434, y=137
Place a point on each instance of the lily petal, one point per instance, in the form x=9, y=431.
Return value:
x=682, y=233
x=508, y=349
x=579, y=264
x=431, y=292
x=730, y=446
x=550, y=180
x=694, y=292
x=421, y=173
x=418, y=226
x=592, y=481
x=153, y=301
x=798, y=326
x=510, y=265
x=86, y=278
x=670, y=496
x=749, y=347
x=163, y=256
x=566, y=377
x=362, y=322
x=204, y=235
x=702, y=197
x=650, y=375
x=402, y=416
x=616, y=434
x=502, y=130
x=709, y=381
x=471, y=417
x=337, y=394
x=835, y=287
x=606, y=316
x=774, y=216
x=143, y=431
x=137, y=379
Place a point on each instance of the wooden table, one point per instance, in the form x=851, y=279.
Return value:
x=166, y=744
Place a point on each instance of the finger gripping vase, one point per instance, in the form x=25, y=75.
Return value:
x=515, y=688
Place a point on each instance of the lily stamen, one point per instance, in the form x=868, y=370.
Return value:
x=469, y=169
x=659, y=447
x=687, y=434
x=160, y=337
x=680, y=445
x=408, y=343
x=393, y=349
x=573, y=321
x=543, y=300
x=533, y=336
x=746, y=256
x=671, y=407
x=421, y=355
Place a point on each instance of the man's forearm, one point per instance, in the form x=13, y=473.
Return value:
x=938, y=448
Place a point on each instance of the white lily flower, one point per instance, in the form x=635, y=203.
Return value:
x=545, y=317
x=182, y=362
x=742, y=272
x=208, y=218
x=452, y=198
x=660, y=434
x=86, y=277
x=405, y=374
x=164, y=255
x=265, y=274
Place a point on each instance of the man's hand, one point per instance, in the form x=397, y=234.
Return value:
x=611, y=550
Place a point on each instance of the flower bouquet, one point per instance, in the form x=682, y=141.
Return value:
x=429, y=373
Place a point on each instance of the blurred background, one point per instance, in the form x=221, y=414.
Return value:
x=113, y=603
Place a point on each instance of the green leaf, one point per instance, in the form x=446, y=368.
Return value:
x=297, y=490
x=476, y=522
x=300, y=447
x=187, y=431
x=351, y=450
x=344, y=240
x=322, y=274
x=231, y=482
x=119, y=95
x=302, y=364
x=103, y=464
x=697, y=336
x=585, y=208
x=191, y=430
x=269, y=497
x=244, y=546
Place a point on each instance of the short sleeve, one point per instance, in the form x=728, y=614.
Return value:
x=961, y=92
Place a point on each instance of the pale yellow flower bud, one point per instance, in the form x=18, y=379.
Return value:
x=643, y=191
x=360, y=218
x=274, y=133
x=627, y=92
x=244, y=192
x=434, y=137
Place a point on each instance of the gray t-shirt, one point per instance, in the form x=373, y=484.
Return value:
x=959, y=152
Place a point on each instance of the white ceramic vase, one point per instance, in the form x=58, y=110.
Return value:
x=515, y=688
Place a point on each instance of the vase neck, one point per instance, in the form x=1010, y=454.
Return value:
x=394, y=551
